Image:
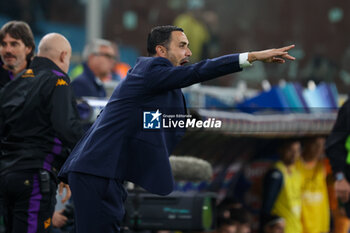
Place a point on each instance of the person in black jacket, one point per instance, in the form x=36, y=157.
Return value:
x=338, y=155
x=16, y=50
x=39, y=126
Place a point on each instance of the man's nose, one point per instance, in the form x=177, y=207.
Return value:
x=188, y=52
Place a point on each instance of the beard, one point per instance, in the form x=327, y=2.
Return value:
x=9, y=66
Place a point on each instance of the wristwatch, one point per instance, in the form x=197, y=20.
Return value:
x=339, y=176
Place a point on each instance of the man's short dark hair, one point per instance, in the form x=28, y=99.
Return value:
x=285, y=144
x=21, y=31
x=160, y=35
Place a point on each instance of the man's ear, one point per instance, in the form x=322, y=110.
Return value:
x=28, y=50
x=63, y=55
x=161, y=51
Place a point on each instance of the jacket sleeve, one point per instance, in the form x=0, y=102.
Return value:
x=163, y=76
x=272, y=185
x=1, y=124
x=64, y=115
x=335, y=144
x=1, y=117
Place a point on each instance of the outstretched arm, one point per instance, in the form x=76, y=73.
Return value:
x=162, y=75
x=271, y=55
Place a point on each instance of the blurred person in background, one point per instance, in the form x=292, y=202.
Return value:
x=196, y=30
x=226, y=225
x=235, y=214
x=242, y=219
x=120, y=69
x=273, y=224
x=16, y=50
x=337, y=150
x=339, y=220
x=39, y=125
x=315, y=216
x=338, y=154
x=99, y=60
x=117, y=148
x=282, y=188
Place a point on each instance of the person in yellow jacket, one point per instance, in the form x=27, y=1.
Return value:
x=196, y=31
x=315, y=216
x=282, y=188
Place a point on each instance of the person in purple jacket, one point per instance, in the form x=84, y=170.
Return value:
x=119, y=147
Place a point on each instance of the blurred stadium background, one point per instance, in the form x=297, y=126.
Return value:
x=319, y=29
x=244, y=148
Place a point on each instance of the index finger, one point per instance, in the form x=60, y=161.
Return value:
x=286, y=48
x=287, y=56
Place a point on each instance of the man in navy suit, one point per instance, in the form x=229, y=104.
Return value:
x=117, y=148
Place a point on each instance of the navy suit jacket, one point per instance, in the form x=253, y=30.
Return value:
x=117, y=146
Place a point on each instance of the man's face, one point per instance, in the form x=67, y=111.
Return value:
x=315, y=148
x=178, y=51
x=103, y=61
x=13, y=52
x=291, y=153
